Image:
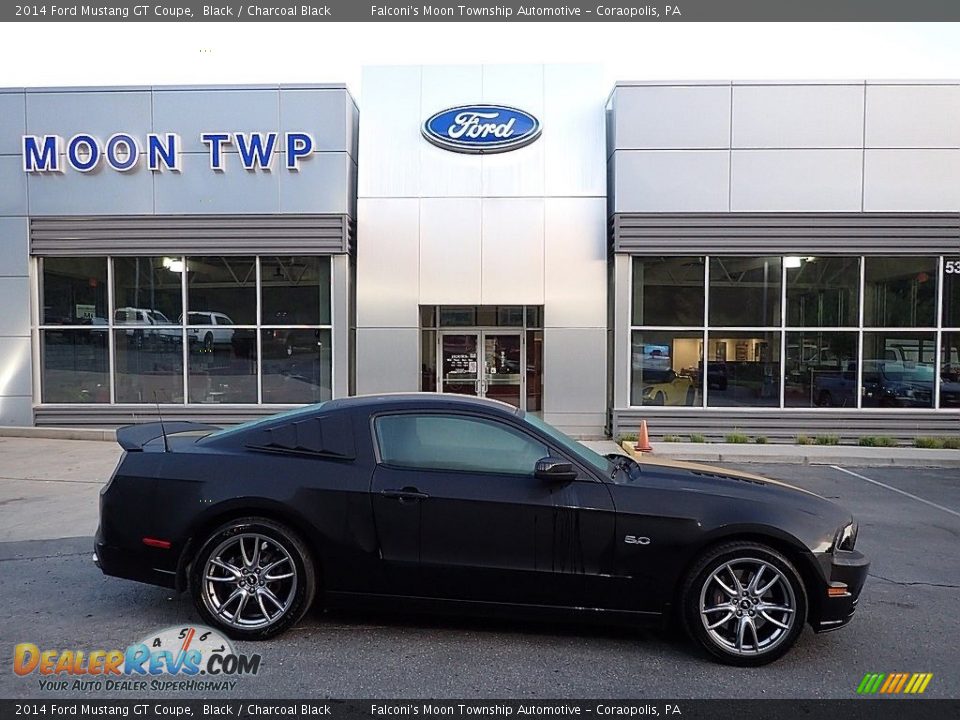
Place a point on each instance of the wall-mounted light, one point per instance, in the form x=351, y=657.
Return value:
x=792, y=262
x=173, y=264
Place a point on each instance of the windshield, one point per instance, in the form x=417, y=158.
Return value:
x=593, y=459
x=250, y=424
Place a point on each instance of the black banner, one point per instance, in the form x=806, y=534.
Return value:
x=853, y=709
x=486, y=11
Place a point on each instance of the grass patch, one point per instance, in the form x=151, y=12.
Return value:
x=626, y=437
x=804, y=440
x=760, y=439
x=827, y=439
x=928, y=443
x=671, y=438
x=737, y=438
x=951, y=443
x=877, y=441
x=698, y=438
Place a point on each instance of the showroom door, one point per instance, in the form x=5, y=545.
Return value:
x=488, y=363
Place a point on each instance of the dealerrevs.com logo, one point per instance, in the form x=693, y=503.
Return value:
x=192, y=658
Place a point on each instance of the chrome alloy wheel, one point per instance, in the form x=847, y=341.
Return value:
x=249, y=581
x=747, y=606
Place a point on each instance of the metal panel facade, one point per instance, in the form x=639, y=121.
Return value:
x=190, y=210
x=815, y=169
x=521, y=227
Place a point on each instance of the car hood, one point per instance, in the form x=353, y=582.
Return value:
x=718, y=473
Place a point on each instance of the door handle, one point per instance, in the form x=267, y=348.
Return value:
x=407, y=493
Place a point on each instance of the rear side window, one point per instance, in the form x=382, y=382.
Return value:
x=455, y=442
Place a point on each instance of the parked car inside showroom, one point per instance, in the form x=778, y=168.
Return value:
x=438, y=502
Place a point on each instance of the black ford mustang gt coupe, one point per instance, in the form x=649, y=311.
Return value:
x=443, y=502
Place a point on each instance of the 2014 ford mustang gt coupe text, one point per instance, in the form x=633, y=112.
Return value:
x=445, y=502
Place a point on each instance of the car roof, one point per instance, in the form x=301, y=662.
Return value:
x=420, y=399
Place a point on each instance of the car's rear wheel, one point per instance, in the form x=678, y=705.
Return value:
x=744, y=603
x=253, y=578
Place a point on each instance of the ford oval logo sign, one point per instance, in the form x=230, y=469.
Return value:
x=481, y=129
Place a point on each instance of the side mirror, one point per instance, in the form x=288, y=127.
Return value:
x=555, y=470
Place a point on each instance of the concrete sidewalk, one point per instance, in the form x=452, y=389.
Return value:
x=847, y=455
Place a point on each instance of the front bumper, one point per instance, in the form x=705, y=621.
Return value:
x=839, y=597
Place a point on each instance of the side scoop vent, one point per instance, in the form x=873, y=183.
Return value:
x=314, y=436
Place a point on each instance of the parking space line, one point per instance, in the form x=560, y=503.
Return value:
x=897, y=490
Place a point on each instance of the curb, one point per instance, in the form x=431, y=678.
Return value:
x=53, y=433
x=856, y=458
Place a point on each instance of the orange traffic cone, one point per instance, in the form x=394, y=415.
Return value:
x=643, y=439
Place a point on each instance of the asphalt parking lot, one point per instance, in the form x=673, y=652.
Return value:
x=907, y=622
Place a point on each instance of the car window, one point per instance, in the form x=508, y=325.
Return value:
x=456, y=442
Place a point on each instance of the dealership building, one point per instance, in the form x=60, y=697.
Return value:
x=778, y=258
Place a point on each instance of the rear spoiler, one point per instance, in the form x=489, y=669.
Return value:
x=133, y=437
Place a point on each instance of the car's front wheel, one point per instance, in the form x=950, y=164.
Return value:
x=744, y=603
x=253, y=578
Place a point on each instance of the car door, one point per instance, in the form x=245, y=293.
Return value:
x=456, y=500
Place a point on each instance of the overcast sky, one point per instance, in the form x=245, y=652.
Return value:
x=197, y=53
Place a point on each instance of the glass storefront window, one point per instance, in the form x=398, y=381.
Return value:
x=950, y=370
x=296, y=365
x=221, y=288
x=898, y=369
x=823, y=291
x=820, y=369
x=951, y=292
x=534, y=370
x=295, y=290
x=428, y=361
x=668, y=290
x=666, y=368
x=75, y=366
x=900, y=292
x=147, y=290
x=74, y=291
x=743, y=369
x=223, y=366
x=744, y=291
x=149, y=365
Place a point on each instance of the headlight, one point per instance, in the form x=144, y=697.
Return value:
x=846, y=537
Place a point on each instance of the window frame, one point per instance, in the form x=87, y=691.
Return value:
x=782, y=329
x=38, y=326
x=583, y=473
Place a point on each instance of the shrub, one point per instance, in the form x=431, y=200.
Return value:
x=760, y=439
x=804, y=440
x=626, y=437
x=736, y=437
x=827, y=440
x=671, y=438
x=698, y=438
x=951, y=443
x=928, y=443
x=877, y=441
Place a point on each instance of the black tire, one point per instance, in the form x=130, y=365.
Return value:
x=659, y=398
x=699, y=584
x=301, y=589
x=691, y=396
x=208, y=342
